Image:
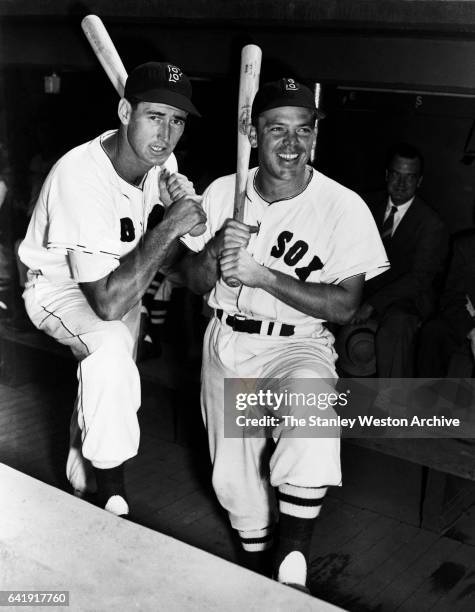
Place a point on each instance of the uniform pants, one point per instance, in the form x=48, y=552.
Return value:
x=244, y=472
x=109, y=384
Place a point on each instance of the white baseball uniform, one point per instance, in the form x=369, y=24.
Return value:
x=326, y=234
x=86, y=218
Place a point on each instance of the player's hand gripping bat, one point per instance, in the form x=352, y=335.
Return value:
x=251, y=57
x=107, y=55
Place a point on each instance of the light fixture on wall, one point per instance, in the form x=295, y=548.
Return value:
x=52, y=83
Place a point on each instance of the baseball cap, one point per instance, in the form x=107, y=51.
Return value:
x=160, y=82
x=284, y=92
x=355, y=345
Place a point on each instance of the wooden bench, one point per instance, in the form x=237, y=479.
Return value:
x=426, y=482
x=29, y=355
x=438, y=473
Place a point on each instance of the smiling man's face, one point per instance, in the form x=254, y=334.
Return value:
x=285, y=137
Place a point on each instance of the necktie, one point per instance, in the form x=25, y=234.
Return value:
x=387, y=228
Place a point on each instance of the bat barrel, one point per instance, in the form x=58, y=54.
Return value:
x=105, y=51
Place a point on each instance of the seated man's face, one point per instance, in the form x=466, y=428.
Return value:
x=402, y=179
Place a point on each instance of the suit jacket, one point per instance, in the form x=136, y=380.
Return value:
x=417, y=252
x=460, y=284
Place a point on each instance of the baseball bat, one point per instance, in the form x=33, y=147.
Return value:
x=251, y=57
x=105, y=51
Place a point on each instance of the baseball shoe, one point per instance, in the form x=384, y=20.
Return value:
x=117, y=505
x=293, y=571
x=111, y=490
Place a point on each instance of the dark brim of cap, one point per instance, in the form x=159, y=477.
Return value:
x=287, y=101
x=172, y=98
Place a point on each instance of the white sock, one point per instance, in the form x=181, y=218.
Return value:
x=117, y=505
x=293, y=569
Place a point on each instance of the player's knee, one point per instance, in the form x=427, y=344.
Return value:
x=116, y=338
x=222, y=485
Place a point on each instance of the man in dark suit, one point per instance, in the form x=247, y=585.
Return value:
x=416, y=241
x=452, y=330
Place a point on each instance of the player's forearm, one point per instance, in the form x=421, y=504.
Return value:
x=332, y=303
x=199, y=271
x=112, y=297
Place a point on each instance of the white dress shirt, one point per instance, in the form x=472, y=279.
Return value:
x=399, y=214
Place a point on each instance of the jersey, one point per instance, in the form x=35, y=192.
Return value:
x=87, y=217
x=325, y=234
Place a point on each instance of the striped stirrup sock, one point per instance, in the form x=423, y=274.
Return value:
x=298, y=509
x=301, y=502
x=256, y=540
x=257, y=553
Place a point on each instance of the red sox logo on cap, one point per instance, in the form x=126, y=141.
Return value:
x=290, y=85
x=174, y=73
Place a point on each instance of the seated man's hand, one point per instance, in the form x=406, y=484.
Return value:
x=363, y=313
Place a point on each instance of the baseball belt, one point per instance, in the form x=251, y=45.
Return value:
x=251, y=326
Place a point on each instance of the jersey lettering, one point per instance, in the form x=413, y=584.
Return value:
x=279, y=249
x=127, y=230
x=294, y=254
x=313, y=266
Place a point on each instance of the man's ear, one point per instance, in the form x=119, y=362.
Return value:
x=419, y=181
x=124, y=111
x=253, y=137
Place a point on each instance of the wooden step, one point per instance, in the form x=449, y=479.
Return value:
x=52, y=540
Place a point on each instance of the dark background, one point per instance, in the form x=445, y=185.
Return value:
x=387, y=75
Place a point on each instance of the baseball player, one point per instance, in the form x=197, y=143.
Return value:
x=301, y=255
x=91, y=258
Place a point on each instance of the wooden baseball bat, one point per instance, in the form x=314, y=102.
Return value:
x=251, y=58
x=105, y=51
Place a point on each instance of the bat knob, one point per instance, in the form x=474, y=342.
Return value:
x=198, y=230
x=232, y=282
